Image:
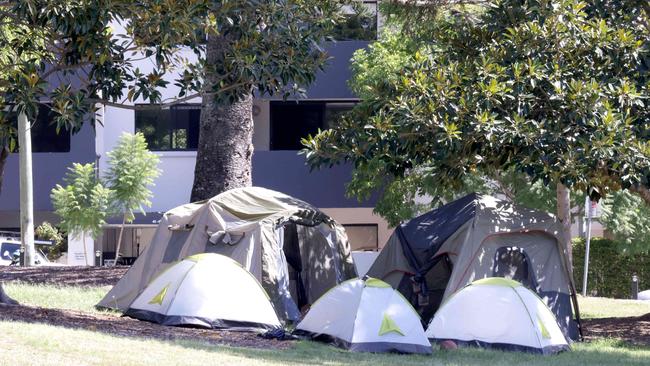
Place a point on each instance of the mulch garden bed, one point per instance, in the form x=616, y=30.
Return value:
x=127, y=327
x=64, y=276
x=633, y=330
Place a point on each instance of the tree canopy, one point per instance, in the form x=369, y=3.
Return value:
x=555, y=91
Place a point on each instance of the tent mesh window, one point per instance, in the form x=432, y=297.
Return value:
x=513, y=263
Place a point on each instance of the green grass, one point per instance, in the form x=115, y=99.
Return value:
x=600, y=307
x=56, y=297
x=41, y=344
x=37, y=344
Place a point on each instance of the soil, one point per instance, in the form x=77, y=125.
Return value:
x=632, y=330
x=128, y=327
x=64, y=276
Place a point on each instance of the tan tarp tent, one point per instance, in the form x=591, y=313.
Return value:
x=295, y=251
x=438, y=253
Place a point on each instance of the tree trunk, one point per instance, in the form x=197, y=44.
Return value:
x=26, y=188
x=5, y=299
x=223, y=159
x=83, y=241
x=119, y=241
x=564, y=215
x=4, y=155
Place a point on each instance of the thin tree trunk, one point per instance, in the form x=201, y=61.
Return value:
x=83, y=241
x=223, y=159
x=26, y=188
x=4, y=155
x=564, y=215
x=119, y=241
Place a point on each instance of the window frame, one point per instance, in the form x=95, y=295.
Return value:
x=272, y=122
x=170, y=130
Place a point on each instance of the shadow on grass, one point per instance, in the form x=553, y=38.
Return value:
x=249, y=346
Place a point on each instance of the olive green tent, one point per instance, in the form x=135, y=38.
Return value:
x=295, y=251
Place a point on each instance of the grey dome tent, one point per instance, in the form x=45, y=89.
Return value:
x=295, y=251
x=434, y=255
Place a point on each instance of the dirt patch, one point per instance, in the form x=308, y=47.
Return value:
x=633, y=330
x=64, y=276
x=127, y=327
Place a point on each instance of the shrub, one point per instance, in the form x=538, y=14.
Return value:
x=611, y=268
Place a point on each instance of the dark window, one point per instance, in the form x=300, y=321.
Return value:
x=176, y=128
x=45, y=138
x=360, y=23
x=292, y=121
x=44, y=135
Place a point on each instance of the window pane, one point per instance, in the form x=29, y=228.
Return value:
x=360, y=23
x=176, y=128
x=334, y=111
x=45, y=139
x=363, y=237
x=291, y=121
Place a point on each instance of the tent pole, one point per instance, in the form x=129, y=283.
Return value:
x=586, y=269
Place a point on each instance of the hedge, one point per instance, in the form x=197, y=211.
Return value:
x=610, y=268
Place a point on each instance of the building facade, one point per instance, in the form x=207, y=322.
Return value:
x=173, y=135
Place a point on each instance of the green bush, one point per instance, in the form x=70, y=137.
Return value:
x=610, y=268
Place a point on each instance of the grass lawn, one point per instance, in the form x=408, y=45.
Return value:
x=39, y=344
x=600, y=307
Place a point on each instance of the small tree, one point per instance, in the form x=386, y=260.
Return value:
x=83, y=203
x=132, y=169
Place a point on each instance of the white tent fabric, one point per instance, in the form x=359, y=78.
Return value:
x=366, y=316
x=498, y=313
x=208, y=290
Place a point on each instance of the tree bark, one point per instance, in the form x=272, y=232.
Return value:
x=119, y=241
x=4, y=155
x=564, y=216
x=223, y=159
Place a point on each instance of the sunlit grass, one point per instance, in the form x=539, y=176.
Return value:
x=56, y=297
x=601, y=307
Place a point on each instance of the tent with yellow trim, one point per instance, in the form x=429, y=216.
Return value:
x=365, y=315
x=498, y=313
x=294, y=250
x=205, y=290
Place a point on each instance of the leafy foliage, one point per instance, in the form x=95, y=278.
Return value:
x=554, y=91
x=132, y=170
x=611, y=267
x=48, y=231
x=627, y=219
x=83, y=203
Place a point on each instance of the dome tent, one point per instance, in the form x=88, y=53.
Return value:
x=434, y=255
x=207, y=290
x=295, y=251
x=501, y=314
x=365, y=315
